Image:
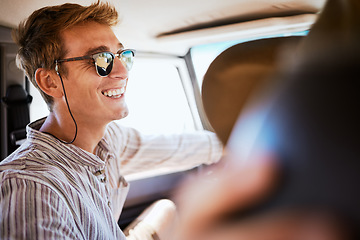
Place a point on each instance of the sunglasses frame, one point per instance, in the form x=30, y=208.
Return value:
x=92, y=56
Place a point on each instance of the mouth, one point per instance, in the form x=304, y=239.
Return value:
x=114, y=93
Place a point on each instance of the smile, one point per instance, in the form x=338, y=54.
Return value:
x=114, y=93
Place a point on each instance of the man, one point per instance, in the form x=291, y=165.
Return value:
x=66, y=181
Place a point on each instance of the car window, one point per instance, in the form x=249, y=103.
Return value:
x=203, y=55
x=156, y=98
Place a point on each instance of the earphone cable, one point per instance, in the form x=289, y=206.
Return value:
x=68, y=106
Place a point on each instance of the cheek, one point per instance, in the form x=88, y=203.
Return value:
x=80, y=91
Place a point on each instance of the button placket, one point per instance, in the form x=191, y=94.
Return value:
x=101, y=175
x=104, y=180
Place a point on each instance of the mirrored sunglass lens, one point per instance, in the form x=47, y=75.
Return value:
x=127, y=58
x=104, y=63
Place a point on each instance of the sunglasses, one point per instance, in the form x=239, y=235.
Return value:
x=104, y=61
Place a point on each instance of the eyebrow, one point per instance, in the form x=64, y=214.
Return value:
x=102, y=48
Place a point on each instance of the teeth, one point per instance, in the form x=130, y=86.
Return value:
x=115, y=93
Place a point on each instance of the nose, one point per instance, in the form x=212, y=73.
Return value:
x=119, y=70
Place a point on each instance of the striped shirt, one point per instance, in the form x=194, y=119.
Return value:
x=51, y=190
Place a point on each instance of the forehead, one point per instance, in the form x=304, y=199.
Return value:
x=86, y=37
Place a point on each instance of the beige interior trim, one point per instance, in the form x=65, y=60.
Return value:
x=251, y=29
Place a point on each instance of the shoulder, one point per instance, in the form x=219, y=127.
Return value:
x=27, y=157
x=19, y=172
x=27, y=185
x=31, y=168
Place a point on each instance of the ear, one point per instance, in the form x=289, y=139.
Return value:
x=48, y=82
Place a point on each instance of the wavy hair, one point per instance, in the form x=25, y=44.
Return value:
x=39, y=36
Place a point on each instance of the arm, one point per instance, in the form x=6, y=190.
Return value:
x=173, y=152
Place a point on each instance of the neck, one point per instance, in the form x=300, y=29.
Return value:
x=88, y=135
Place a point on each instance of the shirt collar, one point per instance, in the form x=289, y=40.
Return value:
x=94, y=162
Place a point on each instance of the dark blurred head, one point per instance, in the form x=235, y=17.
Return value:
x=311, y=124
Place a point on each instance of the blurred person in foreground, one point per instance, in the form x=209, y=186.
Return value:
x=67, y=180
x=293, y=156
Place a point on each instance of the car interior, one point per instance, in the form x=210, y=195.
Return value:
x=175, y=43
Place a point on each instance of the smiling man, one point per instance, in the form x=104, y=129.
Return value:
x=88, y=87
x=66, y=181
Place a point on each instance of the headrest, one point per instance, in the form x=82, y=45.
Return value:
x=235, y=74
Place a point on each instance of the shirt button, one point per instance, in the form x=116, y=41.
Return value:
x=103, y=179
x=99, y=172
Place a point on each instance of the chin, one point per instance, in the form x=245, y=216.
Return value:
x=121, y=114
